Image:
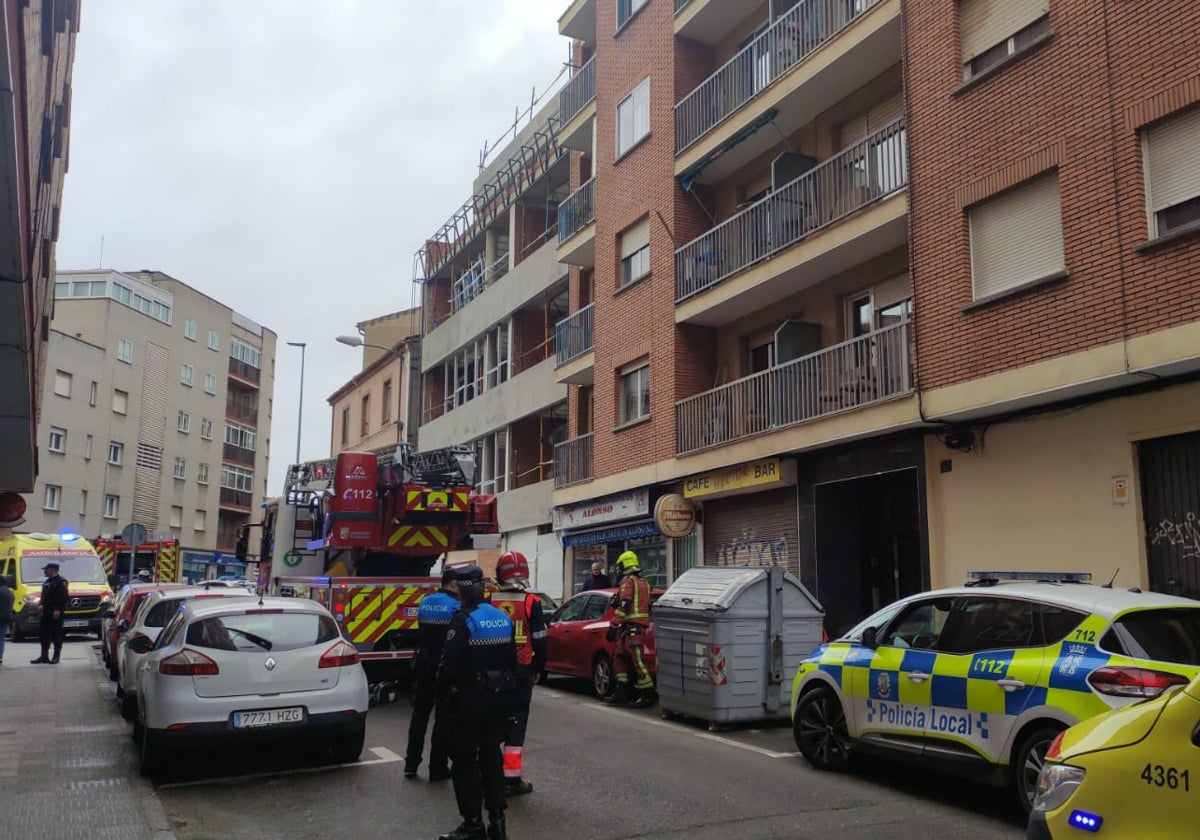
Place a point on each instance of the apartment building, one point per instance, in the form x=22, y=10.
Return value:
x=37, y=54
x=156, y=410
x=493, y=291
x=381, y=405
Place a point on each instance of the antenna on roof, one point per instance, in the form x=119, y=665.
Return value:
x=1111, y=579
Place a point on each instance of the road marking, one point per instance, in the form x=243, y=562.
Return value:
x=383, y=756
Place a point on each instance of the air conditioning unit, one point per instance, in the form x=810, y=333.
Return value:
x=788, y=167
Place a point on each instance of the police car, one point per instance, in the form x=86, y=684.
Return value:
x=980, y=679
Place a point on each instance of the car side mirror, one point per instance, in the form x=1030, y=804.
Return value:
x=107, y=612
x=142, y=644
x=870, y=638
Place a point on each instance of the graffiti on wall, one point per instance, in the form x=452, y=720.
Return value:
x=1182, y=535
x=750, y=550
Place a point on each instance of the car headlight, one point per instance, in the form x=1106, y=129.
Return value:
x=1056, y=784
x=33, y=600
x=105, y=599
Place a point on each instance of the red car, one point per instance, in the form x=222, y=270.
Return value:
x=128, y=600
x=575, y=644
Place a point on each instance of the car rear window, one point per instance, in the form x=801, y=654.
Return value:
x=1170, y=635
x=259, y=631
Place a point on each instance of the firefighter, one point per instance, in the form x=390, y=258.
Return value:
x=529, y=623
x=629, y=624
x=433, y=620
x=475, y=677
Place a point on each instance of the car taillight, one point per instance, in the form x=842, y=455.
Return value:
x=188, y=663
x=1133, y=682
x=338, y=656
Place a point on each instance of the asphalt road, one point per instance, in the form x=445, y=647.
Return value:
x=599, y=774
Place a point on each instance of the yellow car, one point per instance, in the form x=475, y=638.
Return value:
x=1133, y=772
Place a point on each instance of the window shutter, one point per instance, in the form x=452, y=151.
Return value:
x=891, y=291
x=873, y=119
x=853, y=130
x=1017, y=237
x=635, y=237
x=1173, y=161
x=986, y=23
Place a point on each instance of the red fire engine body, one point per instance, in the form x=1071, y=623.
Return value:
x=160, y=558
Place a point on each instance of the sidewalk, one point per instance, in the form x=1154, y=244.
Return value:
x=67, y=763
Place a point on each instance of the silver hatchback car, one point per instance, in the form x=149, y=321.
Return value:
x=235, y=671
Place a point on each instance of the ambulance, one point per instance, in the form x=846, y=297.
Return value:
x=22, y=557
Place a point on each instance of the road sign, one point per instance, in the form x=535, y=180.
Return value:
x=133, y=535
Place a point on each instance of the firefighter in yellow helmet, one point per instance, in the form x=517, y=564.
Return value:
x=628, y=628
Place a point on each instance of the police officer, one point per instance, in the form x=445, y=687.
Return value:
x=433, y=622
x=474, y=679
x=529, y=627
x=54, y=604
x=628, y=627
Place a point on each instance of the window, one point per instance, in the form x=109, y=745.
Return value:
x=200, y=520
x=919, y=626
x=634, y=247
x=635, y=392
x=83, y=503
x=385, y=410
x=120, y=401
x=236, y=478
x=214, y=340
x=116, y=453
x=87, y=448
x=244, y=352
x=202, y=474
x=189, y=329
x=345, y=426
x=627, y=9
x=242, y=436
x=62, y=384
x=979, y=624
x=176, y=520
x=210, y=383
x=992, y=30
x=95, y=387
x=184, y=422
x=58, y=439
x=53, y=497
x=187, y=374
x=365, y=424
x=206, y=427
x=1172, y=162
x=1016, y=237
x=110, y=506
x=493, y=462
x=633, y=118
x=180, y=469
x=122, y=294
x=62, y=290
x=124, y=350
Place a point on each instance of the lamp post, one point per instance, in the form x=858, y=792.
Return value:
x=356, y=341
x=299, y=414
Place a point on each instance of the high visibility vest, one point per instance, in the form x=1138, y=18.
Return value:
x=515, y=604
x=636, y=591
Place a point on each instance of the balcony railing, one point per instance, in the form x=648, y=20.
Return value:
x=234, y=410
x=789, y=40
x=679, y=4
x=578, y=92
x=236, y=498
x=244, y=371
x=573, y=335
x=573, y=461
x=238, y=454
x=865, y=370
x=477, y=277
x=577, y=212
x=864, y=172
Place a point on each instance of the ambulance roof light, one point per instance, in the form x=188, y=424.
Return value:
x=68, y=536
x=984, y=578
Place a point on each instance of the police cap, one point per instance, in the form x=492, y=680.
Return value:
x=469, y=574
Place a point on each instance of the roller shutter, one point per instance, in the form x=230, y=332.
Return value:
x=754, y=529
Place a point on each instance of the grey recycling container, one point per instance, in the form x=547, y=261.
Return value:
x=729, y=640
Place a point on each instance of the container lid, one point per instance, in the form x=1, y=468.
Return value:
x=710, y=587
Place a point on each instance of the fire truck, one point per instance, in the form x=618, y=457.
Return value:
x=359, y=533
x=159, y=557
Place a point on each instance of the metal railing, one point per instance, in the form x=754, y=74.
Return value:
x=245, y=372
x=865, y=370
x=573, y=335
x=577, y=212
x=578, y=92
x=859, y=174
x=235, y=410
x=573, y=461
x=238, y=454
x=477, y=277
x=236, y=498
x=679, y=4
x=788, y=41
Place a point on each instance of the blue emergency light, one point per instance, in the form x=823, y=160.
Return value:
x=1086, y=821
x=67, y=536
x=1049, y=577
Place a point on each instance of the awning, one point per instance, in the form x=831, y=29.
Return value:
x=606, y=535
x=691, y=173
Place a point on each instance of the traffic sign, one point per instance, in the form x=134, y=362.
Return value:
x=133, y=534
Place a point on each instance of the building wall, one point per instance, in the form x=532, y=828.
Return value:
x=370, y=383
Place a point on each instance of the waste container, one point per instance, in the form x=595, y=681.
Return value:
x=729, y=640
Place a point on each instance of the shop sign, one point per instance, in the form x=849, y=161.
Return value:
x=754, y=474
x=618, y=506
x=674, y=515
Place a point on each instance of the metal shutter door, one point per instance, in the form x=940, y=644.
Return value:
x=1170, y=470
x=755, y=529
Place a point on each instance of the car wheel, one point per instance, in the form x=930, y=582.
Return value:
x=1027, y=762
x=129, y=706
x=819, y=727
x=348, y=749
x=112, y=671
x=150, y=752
x=602, y=676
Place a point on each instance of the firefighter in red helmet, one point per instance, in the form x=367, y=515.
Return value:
x=628, y=628
x=525, y=610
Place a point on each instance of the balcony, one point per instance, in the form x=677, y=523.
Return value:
x=577, y=109
x=236, y=499
x=576, y=231
x=477, y=277
x=579, y=21
x=234, y=410
x=238, y=455
x=573, y=461
x=708, y=21
x=573, y=337
x=860, y=175
x=246, y=372
x=863, y=371
x=811, y=58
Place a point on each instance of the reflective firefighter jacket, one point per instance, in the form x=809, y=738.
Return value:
x=633, y=602
x=529, y=623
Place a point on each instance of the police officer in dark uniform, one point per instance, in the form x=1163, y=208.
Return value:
x=433, y=621
x=474, y=680
x=54, y=604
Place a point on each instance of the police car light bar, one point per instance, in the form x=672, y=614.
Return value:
x=1050, y=577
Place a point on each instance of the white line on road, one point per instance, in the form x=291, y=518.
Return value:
x=383, y=756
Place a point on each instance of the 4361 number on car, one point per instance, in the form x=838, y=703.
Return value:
x=1171, y=778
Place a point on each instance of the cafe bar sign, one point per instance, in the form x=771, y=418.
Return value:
x=628, y=505
x=762, y=474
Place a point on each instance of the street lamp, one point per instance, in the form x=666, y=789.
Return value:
x=300, y=413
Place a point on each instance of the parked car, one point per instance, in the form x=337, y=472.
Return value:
x=983, y=677
x=575, y=643
x=148, y=620
x=1126, y=773
x=236, y=671
x=114, y=626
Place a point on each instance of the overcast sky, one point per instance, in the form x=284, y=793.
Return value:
x=288, y=157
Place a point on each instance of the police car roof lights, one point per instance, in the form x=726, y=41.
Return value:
x=990, y=578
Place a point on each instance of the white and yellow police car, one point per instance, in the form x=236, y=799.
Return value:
x=979, y=679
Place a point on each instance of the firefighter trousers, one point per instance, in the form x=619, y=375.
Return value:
x=629, y=662
x=474, y=733
x=424, y=705
x=514, y=741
